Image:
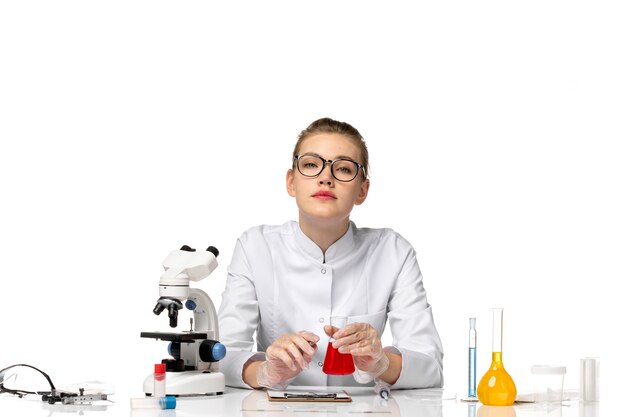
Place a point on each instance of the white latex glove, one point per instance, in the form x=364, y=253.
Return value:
x=289, y=355
x=362, y=341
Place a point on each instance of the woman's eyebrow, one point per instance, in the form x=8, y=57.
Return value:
x=332, y=159
x=345, y=157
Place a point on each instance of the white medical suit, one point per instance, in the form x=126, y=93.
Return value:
x=279, y=281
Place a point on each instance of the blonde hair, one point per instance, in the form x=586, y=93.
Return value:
x=328, y=125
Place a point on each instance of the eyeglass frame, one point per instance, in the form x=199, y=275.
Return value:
x=296, y=159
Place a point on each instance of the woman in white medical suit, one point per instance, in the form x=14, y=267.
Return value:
x=285, y=282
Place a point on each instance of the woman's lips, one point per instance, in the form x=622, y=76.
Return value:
x=324, y=195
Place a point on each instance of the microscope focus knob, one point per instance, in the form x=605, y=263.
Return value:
x=212, y=351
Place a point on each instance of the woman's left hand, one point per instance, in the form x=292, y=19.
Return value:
x=362, y=341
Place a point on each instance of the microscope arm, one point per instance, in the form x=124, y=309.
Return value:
x=204, y=315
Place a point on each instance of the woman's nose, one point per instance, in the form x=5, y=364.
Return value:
x=326, y=175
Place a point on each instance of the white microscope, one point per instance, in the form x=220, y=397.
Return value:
x=193, y=368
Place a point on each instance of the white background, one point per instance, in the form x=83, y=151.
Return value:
x=496, y=135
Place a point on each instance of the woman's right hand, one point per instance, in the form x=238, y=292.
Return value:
x=289, y=355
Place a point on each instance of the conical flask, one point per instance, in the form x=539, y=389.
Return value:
x=496, y=387
x=335, y=362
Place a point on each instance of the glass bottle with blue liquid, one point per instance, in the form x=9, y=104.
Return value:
x=471, y=373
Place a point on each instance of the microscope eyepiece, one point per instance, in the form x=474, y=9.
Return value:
x=213, y=250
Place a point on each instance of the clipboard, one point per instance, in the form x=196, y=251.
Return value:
x=308, y=396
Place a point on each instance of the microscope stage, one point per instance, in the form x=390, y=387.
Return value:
x=175, y=337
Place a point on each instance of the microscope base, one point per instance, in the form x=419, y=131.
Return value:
x=189, y=383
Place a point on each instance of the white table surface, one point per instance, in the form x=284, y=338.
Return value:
x=253, y=403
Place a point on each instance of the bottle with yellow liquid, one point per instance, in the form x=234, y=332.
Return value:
x=496, y=387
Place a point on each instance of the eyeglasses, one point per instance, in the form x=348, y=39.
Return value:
x=344, y=170
x=28, y=376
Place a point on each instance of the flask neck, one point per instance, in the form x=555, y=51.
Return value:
x=496, y=357
x=497, y=330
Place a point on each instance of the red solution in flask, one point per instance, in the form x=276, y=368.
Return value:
x=336, y=363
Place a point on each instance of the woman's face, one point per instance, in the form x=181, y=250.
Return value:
x=324, y=197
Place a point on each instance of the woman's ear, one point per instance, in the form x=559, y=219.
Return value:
x=290, y=188
x=363, y=190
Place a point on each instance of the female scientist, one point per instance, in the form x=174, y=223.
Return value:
x=285, y=282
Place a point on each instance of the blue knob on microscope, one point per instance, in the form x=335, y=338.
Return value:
x=219, y=351
x=212, y=351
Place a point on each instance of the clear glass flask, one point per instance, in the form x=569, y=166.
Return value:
x=496, y=387
x=336, y=363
